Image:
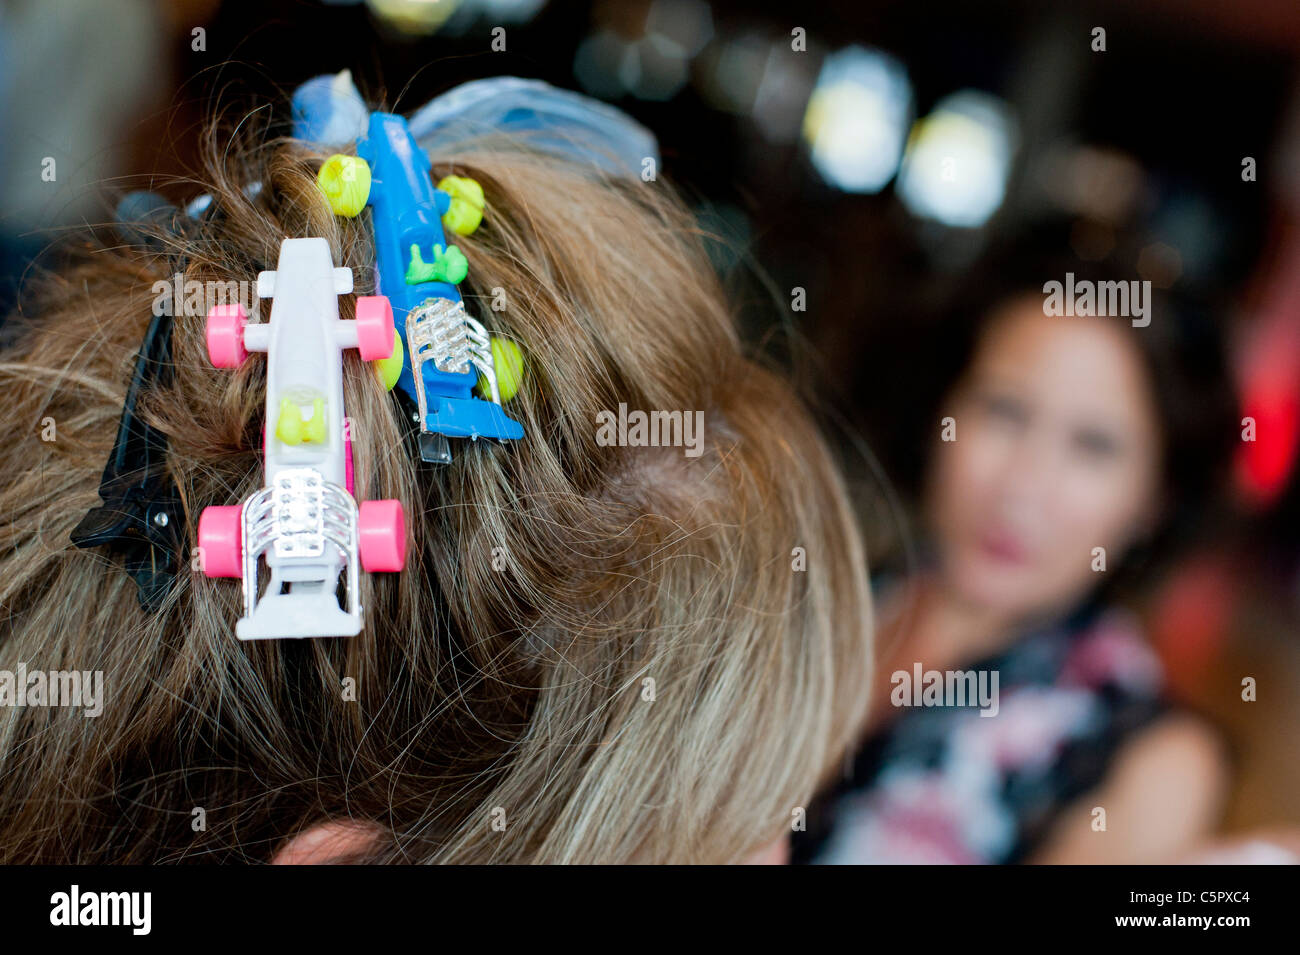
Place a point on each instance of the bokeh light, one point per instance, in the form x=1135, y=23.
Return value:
x=857, y=117
x=958, y=160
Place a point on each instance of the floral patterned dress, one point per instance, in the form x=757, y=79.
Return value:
x=944, y=784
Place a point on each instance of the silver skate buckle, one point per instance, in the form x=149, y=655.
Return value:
x=298, y=507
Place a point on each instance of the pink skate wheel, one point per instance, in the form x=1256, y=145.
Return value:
x=381, y=528
x=221, y=551
x=225, y=334
x=374, y=327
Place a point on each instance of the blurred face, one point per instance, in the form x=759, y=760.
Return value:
x=1057, y=452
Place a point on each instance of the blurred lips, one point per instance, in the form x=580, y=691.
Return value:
x=1003, y=547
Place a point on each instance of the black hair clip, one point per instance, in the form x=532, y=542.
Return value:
x=141, y=514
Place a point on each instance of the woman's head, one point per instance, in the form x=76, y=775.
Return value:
x=1056, y=452
x=595, y=653
x=1075, y=441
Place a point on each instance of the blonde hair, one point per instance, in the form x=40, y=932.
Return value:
x=606, y=649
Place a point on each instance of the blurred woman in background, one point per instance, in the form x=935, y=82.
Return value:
x=1067, y=451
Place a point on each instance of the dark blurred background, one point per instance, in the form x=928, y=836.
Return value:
x=866, y=153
